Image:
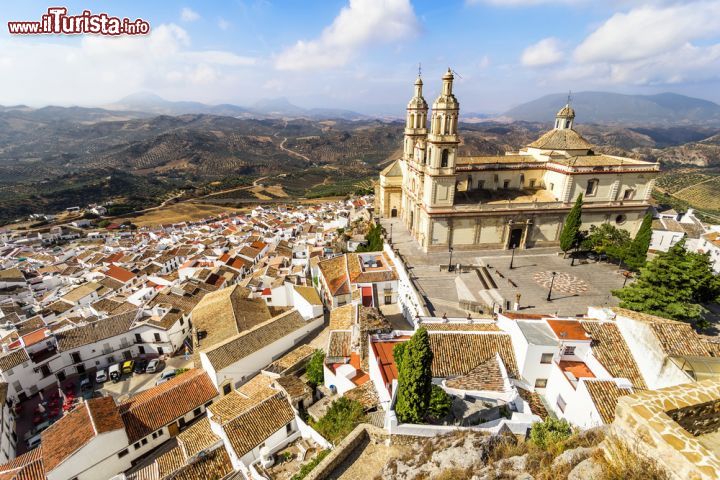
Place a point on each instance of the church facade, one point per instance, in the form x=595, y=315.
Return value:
x=516, y=200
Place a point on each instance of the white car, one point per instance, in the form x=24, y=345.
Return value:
x=101, y=376
x=153, y=366
x=165, y=376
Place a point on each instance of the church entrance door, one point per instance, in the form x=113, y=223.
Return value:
x=393, y=212
x=515, y=237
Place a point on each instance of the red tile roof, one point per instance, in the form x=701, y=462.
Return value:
x=568, y=329
x=119, y=273
x=35, y=337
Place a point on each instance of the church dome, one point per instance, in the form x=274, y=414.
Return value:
x=566, y=112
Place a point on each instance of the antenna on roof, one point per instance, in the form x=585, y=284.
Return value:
x=419, y=69
x=456, y=73
x=569, y=97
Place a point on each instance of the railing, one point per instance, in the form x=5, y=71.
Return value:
x=510, y=205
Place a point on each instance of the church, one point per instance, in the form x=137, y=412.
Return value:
x=516, y=200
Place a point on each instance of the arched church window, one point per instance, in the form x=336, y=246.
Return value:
x=444, y=158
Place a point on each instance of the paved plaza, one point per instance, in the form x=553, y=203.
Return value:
x=574, y=287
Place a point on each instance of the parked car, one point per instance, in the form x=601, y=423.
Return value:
x=153, y=366
x=34, y=442
x=165, y=376
x=86, y=385
x=101, y=376
x=114, y=372
x=127, y=367
x=140, y=366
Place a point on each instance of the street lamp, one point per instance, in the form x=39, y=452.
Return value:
x=512, y=258
x=391, y=225
x=552, y=282
x=450, y=249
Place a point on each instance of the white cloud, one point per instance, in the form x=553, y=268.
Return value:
x=223, y=24
x=648, y=31
x=358, y=25
x=652, y=45
x=102, y=69
x=523, y=3
x=484, y=62
x=189, y=15
x=544, y=53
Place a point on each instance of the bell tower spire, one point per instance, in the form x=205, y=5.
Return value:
x=416, y=119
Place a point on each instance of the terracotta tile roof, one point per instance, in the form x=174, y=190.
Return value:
x=240, y=346
x=258, y=386
x=339, y=344
x=605, y=394
x=81, y=292
x=365, y=394
x=30, y=325
x=95, y=331
x=197, y=438
x=335, y=273
x=357, y=274
x=253, y=427
x=577, y=369
x=13, y=359
x=294, y=387
x=292, y=360
x=34, y=337
x=77, y=428
x=533, y=399
x=525, y=316
x=460, y=327
x=119, y=273
x=565, y=139
x=459, y=353
x=342, y=318
x=235, y=403
x=309, y=294
x=28, y=466
x=487, y=376
x=609, y=347
x=154, y=408
x=170, y=462
x=568, y=329
x=216, y=464
x=679, y=339
x=227, y=312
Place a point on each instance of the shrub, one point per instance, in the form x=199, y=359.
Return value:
x=341, y=418
x=550, y=434
x=314, y=369
x=307, y=468
x=440, y=402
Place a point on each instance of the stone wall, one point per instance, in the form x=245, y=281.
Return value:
x=360, y=434
x=649, y=420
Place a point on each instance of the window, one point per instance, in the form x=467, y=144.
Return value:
x=288, y=428
x=197, y=411
x=182, y=321
x=144, y=441
x=123, y=453
x=444, y=158
x=157, y=337
x=45, y=370
x=620, y=219
x=75, y=357
x=552, y=187
x=541, y=383
x=591, y=188
x=160, y=432
x=629, y=194
x=80, y=368
x=522, y=179
x=138, y=338
x=569, y=351
x=532, y=183
x=561, y=403
x=546, y=358
x=137, y=446
x=226, y=389
x=154, y=435
x=141, y=350
x=481, y=183
x=506, y=184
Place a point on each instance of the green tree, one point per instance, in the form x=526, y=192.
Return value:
x=548, y=435
x=675, y=284
x=637, y=251
x=398, y=352
x=314, y=368
x=440, y=402
x=571, y=227
x=342, y=416
x=374, y=240
x=607, y=239
x=415, y=379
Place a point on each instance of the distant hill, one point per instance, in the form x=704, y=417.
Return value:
x=615, y=108
x=264, y=108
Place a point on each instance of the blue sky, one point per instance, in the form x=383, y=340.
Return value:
x=363, y=54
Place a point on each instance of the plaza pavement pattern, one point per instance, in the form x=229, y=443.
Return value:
x=574, y=289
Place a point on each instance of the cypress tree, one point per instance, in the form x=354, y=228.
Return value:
x=637, y=252
x=571, y=227
x=415, y=379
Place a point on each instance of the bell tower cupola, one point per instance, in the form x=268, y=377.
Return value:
x=416, y=120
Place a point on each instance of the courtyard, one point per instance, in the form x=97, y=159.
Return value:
x=491, y=281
